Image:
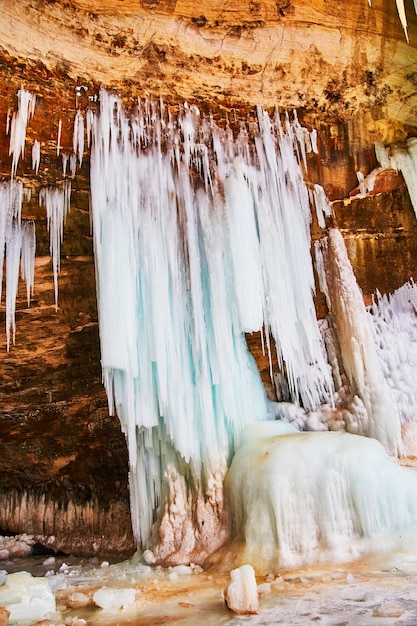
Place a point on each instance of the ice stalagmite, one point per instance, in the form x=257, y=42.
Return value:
x=200, y=235
x=357, y=341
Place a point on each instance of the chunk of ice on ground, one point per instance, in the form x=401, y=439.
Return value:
x=112, y=599
x=27, y=598
x=241, y=595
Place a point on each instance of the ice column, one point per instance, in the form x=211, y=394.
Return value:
x=199, y=236
x=357, y=340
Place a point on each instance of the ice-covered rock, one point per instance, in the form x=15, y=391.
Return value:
x=241, y=596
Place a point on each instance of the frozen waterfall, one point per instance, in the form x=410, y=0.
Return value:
x=200, y=235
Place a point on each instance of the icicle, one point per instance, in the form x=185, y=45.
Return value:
x=4, y=224
x=8, y=121
x=28, y=256
x=11, y=196
x=405, y=160
x=36, y=155
x=64, y=164
x=25, y=110
x=13, y=250
x=322, y=204
x=403, y=17
x=56, y=202
x=313, y=139
x=73, y=164
x=382, y=155
x=78, y=137
x=89, y=124
x=58, y=142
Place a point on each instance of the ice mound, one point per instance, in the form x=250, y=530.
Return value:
x=303, y=497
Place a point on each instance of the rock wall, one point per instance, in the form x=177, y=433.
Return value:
x=63, y=460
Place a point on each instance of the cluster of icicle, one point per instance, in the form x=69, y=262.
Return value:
x=17, y=236
x=56, y=201
x=200, y=236
x=17, y=248
x=25, y=110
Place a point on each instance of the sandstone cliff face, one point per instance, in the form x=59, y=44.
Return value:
x=348, y=70
x=324, y=54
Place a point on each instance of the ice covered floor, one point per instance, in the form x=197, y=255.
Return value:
x=369, y=593
x=350, y=596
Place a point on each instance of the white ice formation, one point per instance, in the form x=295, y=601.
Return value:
x=56, y=201
x=113, y=599
x=78, y=137
x=241, y=595
x=356, y=340
x=323, y=207
x=200, y=235
x=402, y=158
x=36, y=155
x=17, y=249
x=28, y=599
x=20, y=118
x=18, y=242
x=394, y=320
x=301, y=498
